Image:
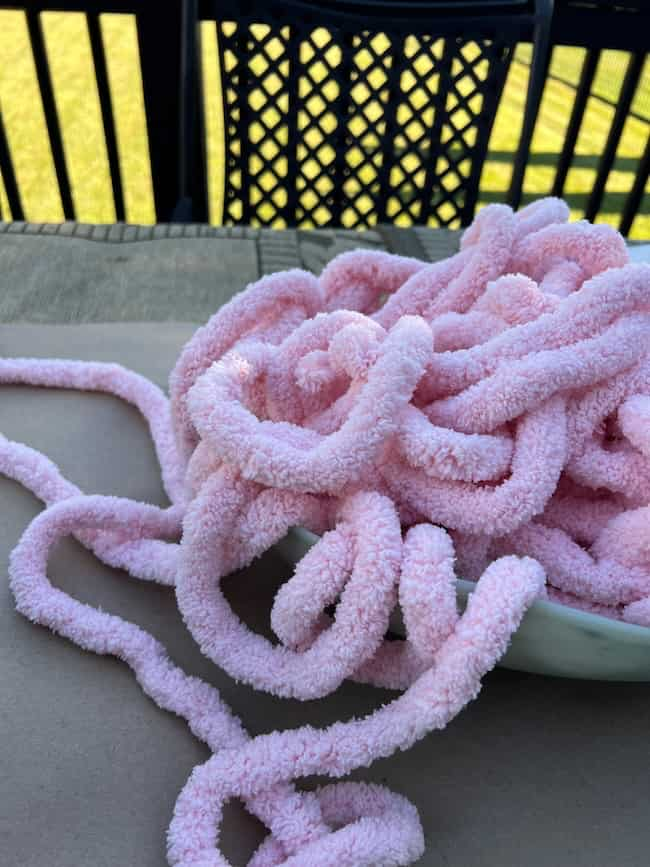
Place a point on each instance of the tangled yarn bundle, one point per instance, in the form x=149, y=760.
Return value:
x=492, y=409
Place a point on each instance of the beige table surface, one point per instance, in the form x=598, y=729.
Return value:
x=74, y=272
x=536, y=772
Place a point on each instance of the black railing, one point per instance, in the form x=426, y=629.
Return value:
x=160, y=48
x=430, y=177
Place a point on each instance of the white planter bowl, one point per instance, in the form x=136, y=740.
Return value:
x=552, y=639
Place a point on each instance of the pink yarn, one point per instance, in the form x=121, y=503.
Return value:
x=272, y=304
x=112, y=379
x=515, y=299
x=593, y=249
x=494, y=611
x=491, y=408
x=356, y=280
x=570, y=568
x=538, y=457
x=263, y=450
x=582, y=315
x=444, y=453
x=634, y=419
x=521, y=385
x=362, y=616
x=612, y=612
x=582, y=517
x=147, y=559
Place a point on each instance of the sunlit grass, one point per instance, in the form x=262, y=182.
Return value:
x=78, y=107
x=69, y=55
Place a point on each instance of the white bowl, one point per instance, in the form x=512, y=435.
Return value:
x=553, y=639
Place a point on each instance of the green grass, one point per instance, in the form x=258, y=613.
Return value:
x=77, y=103
x=551, y=128
x=78, y=107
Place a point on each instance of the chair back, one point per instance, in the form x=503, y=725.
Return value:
x=355, y=113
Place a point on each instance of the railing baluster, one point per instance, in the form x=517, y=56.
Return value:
x=159, y=45
x=49, y=109
x=575, y=121
x=482, y=142
x=633, y=202
x=101, y=76
x=634, y=69
x=538, y=75
x=188, y=207
x=194, y=132
x=8, y=176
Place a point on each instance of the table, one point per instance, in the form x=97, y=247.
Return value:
x=537, y=772
x=75, y=272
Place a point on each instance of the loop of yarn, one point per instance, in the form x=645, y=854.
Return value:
x=490, y=412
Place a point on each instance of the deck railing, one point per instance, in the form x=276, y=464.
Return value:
x=101, y=142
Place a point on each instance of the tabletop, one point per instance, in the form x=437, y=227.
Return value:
x=79, y=272
x=537, y=771
x=76, y=272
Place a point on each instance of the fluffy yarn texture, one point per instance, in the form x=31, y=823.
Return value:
x=490, y=411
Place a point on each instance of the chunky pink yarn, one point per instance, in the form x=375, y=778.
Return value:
x=493, y=409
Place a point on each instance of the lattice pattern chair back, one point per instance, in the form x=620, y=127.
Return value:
x=333, y=118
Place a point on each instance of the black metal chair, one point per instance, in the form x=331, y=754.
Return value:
x=163, y=31
x=447, y=90
x=354, y=112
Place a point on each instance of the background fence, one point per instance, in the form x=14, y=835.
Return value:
x=590, y=142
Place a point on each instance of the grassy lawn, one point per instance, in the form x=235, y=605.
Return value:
x=551, y=127
x=78, y=108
